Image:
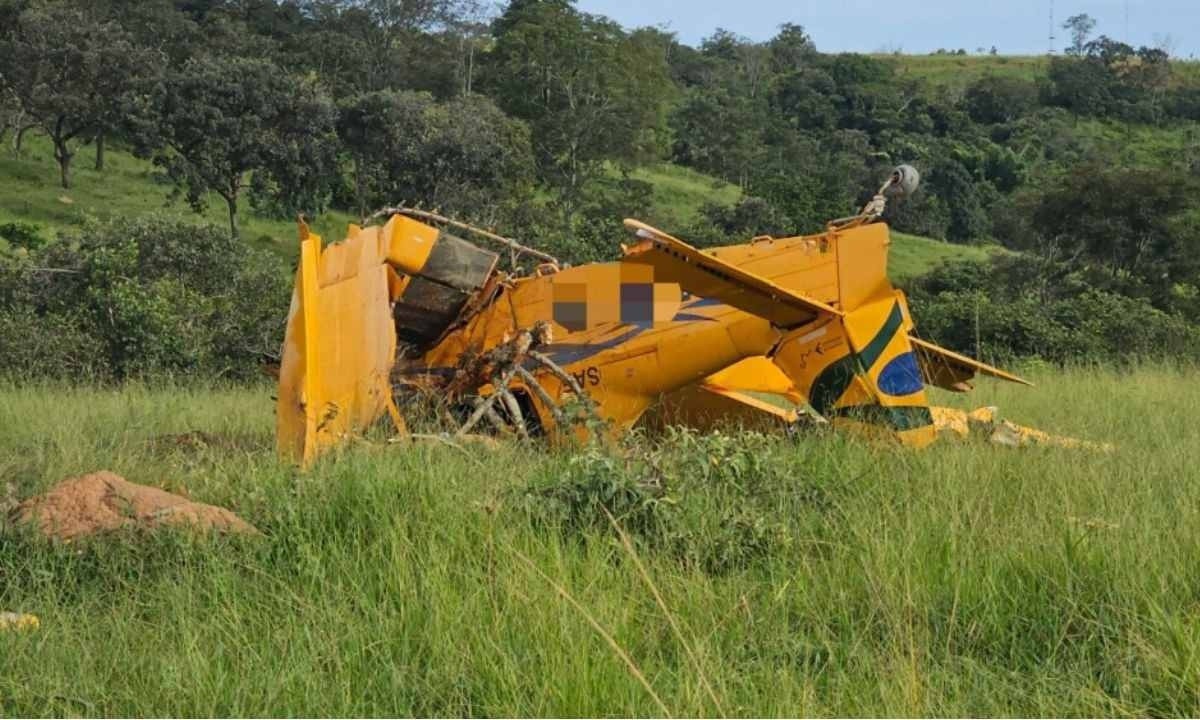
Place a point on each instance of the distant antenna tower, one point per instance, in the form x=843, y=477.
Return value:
x=1127, y=42
x=1051, y=27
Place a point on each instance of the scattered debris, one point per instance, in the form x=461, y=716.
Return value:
x=18, y=621
x=986, y=423
x=103, y=501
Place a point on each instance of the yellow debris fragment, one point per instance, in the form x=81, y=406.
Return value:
x=986, y=423
x=18, y=621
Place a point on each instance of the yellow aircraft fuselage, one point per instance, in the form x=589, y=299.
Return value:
x=811, y=318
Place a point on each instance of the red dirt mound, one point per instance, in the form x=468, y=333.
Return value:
x=101, y=501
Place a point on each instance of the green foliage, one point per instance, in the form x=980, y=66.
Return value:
x=22, y=235
x=1024, y=307
x=999, y=99
x=1131, y=225
x=710, y=502
x=1110, y=78
x=590, y=92
x=464, y=157
x=218, y=119
x=728, y=224
x=967, y=219
x=73, y=74
x=140, y=298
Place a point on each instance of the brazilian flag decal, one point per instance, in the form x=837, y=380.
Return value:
x=834, y=380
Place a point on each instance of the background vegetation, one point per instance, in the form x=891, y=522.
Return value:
x=554, y=124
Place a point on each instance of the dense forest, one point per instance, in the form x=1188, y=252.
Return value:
x=533, y=117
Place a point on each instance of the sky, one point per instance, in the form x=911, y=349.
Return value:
x=1015, y=27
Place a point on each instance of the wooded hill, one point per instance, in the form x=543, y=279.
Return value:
x=553, y=124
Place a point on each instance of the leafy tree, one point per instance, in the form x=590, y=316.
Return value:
x=464, y=157
x=71, y=74
x=954, y=185
x=999, y=99
x=719, y=131
x=791, y=48
x=141, y=296
x=808, y=98
x=381, y=132
x=811, y=179
x=1079, y=85
x=371, y=37
x=1080, y=26
x=591, y=93
x=217, y=120
x=747, y=218
x=1130, y=223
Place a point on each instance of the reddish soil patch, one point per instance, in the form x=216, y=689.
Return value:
x=102, y=501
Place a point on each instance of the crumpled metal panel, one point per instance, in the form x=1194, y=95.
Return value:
x=339, y=347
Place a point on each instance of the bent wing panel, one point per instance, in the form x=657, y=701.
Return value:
x=949, y=370
x=710, y=277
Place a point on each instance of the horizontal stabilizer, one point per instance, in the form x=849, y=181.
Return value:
x=755, y=403
x=948, y=370
x=709, y=277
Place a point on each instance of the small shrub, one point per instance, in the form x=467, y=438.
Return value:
x=715, y=503
x=22, y=235
x=596, y=482
x=141, y=298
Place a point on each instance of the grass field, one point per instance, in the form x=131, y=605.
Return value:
x=30, y=192
x=835, y=577
x=956, y=72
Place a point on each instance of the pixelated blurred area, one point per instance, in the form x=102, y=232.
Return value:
x=614, y=294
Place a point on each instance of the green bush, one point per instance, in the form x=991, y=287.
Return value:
x=141, y=298
x=22, y=235
x=1016, y=307
x=714, y=502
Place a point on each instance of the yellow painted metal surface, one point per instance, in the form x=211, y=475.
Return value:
x=339, y=347
x=811, y=319
x=408, y=243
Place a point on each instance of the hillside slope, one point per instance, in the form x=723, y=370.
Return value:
x=956, y=72
x=130, y=187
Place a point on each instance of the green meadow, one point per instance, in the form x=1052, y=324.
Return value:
x=739, y=574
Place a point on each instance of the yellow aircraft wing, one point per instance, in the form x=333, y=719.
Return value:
x=951, y=371
x=706, y=276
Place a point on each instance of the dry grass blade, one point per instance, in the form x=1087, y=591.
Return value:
x=662, y=605
x=608, y=638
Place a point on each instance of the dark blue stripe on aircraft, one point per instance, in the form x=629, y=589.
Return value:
x=570, y=353
x=901, y=376
x=691, y=317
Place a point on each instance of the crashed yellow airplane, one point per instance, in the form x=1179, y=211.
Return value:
x=668, y=334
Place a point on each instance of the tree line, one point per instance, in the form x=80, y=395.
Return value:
x=534, y=116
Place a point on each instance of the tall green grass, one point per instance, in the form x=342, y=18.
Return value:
x=961, y=580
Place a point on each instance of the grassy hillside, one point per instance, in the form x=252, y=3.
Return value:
x=858, y=579
x=29, y=192
x=911, y=255
x=680, y=192
x=956, y=72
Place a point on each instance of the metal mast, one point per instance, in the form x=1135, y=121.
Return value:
x=1051, y=27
